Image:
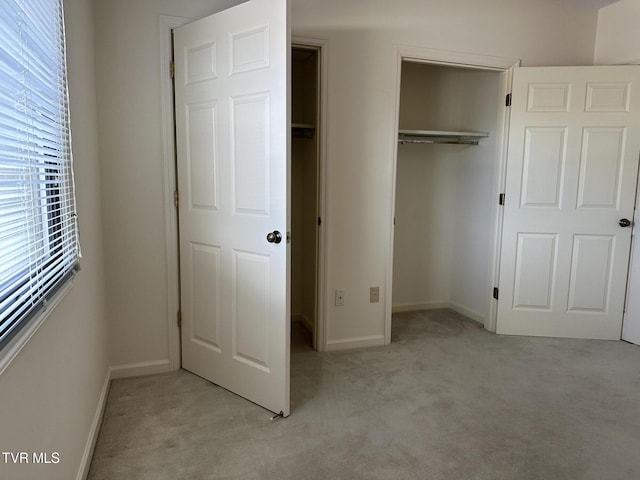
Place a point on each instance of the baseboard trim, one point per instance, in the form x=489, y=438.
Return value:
x=472, y=314
x=140, y=369
x=90, y=446
x=414, y=307
x=355, y=342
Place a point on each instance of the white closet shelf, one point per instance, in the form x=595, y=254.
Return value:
x=439, y=136
x=304, y=130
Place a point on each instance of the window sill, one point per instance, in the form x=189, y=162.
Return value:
x=11, y=349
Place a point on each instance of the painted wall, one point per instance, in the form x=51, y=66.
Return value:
x=362, y=86
x=303, y=227
x=445, y=193
x=618, y=39
x=49, y=393
x=130, y=133
x=298, y=151
x=476, y=176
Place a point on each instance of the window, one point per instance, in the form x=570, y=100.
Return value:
x=38, y=230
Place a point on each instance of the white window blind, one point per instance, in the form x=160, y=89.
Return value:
x=38, y=229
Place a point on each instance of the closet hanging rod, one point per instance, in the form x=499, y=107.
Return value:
x=402, y=141
x=440, y=137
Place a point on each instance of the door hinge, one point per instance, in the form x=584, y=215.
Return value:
x=501, y=199
x=508, y=102
x=179, y=318
x=172, y=69
x=495, y=293
x=176, y=198
x=319, y=221
x=288, y=237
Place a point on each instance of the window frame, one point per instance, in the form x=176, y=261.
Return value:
x=53, y=204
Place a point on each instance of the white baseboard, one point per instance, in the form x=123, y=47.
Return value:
x=472, y=314
x=354, y=342
x=140, y=369
x=414, y=307
x=85, y=462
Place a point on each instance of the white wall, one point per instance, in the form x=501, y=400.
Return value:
x=303, y=228
x=423, y=232
x=130, y=132
x=445, y=193
x=475, y=202
x=298, y=152
x=50, y=392
x=362, y=37
x=618, y=36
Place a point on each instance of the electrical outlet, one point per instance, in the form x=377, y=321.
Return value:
x=339, y=298
x=374, y=294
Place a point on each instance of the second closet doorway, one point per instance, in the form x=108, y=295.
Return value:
x=305, y=188
x=445, y=204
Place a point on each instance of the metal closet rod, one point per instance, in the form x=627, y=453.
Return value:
x=431, y=137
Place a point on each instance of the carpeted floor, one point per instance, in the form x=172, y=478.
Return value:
x=446, y=400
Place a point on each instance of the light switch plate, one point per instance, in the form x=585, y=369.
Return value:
x=374, y=294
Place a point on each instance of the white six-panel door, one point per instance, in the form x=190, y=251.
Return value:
x=571, y=177
x=231, y=74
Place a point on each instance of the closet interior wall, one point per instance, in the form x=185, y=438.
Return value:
x=445, y=193
x=304, y=188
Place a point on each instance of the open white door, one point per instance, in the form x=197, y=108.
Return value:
x=571, y=178
x=232, y=128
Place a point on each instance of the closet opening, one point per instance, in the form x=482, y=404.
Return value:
x=451, y=125
x=305, y=212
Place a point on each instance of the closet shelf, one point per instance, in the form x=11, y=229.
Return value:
x=440, y=137
x=303, y=130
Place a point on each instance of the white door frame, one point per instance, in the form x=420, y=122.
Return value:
x=321, y=45
x=632, y=273
x=166, y=24
x=470, y=61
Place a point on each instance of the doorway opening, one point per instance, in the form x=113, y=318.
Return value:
x=449, y=171
x=305, y=195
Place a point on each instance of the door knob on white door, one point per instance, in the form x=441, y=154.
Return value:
x=274, y=237
x=624, y=222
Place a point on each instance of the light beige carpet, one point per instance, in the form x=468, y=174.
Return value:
x=447, y=400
